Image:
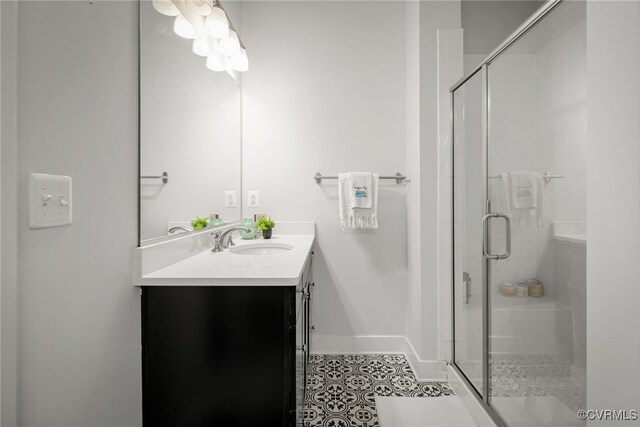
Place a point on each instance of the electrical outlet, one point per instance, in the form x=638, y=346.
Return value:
x=253, y=199
x=230, y=199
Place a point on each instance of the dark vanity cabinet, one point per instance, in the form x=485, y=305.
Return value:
x=303, y=329
x=227, y=356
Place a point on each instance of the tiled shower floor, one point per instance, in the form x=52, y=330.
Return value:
x=342, y=387
x=538, y=375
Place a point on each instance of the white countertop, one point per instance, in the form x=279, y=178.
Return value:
x=231, y=269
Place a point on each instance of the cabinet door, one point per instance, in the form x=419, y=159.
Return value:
x=301, y=353
x=309, y=323
x=205, y=346
x=306, y=337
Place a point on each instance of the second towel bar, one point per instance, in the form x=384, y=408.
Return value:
x=546, y=176
x=164, y=177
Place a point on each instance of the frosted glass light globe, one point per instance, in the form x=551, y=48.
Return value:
x=201, y=46
x=200, y=7
x=183, y=28
x=239, y=61
x=230, y=45
x=166, y=7
x=215, y=60
x=217, y=25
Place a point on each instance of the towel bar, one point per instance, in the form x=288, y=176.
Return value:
x=164, y=177
x=546, y=176
x=398, y=177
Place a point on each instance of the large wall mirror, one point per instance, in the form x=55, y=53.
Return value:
x=190, y=136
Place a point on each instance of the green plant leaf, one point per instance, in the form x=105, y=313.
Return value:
x=266, y=223
x=200, y=223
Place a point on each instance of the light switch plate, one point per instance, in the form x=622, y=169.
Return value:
x=230, y=199
x=253, y=199
x=49, y=200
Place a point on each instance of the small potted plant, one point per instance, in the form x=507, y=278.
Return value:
x=266, y=224
x=200, y=223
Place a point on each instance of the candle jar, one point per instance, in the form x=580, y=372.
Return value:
x=250, y=224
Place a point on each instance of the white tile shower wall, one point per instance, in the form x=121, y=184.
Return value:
x=450, y=69
x=565, y=281
x=309, y=106
x=519, y=142
x=512, y=147
x=561, y=97
x=561, y=89
x=538, y=123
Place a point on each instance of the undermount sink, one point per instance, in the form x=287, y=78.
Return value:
x=261, y=249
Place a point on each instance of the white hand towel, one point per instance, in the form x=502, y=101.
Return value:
x=352, y=216
x=360, y=184
x=523, y=198
x=524, y=190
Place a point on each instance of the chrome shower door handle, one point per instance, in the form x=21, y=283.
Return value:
x=485, y=236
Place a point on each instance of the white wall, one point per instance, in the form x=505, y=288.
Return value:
x=450, y=70
x=0, y=211
x=414, y=270
x=78, y=317
x=9, y=155
x=433, y=16
x=308, y=106
x=613, y=206
x=326, y=91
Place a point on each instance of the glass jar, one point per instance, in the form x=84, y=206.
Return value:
x=214, y=219
x=250, y=224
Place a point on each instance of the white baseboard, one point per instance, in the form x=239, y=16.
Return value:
x=425, y=370
x=355, y=344
x=350, y=344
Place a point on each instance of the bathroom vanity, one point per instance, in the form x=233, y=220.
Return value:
x=226, y=336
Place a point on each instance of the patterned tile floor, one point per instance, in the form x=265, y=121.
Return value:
x=342, y=388
x=538, y=375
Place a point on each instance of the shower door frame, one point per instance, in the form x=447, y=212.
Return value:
x=483, y=68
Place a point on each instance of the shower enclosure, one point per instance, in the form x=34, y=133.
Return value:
x=519, y=203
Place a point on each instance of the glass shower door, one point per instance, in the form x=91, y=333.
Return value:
x=520, y=226
x=469, y=202
x=537, y=178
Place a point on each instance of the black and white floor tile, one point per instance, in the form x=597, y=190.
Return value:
x=538, y=375
x=341, y=388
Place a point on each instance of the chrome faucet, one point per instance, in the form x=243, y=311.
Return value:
x=182, y=229
x=219, y=243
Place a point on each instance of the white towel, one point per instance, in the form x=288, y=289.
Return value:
x=524, y=190
x=352, y=213
x=523, y=198
x=360, y=184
